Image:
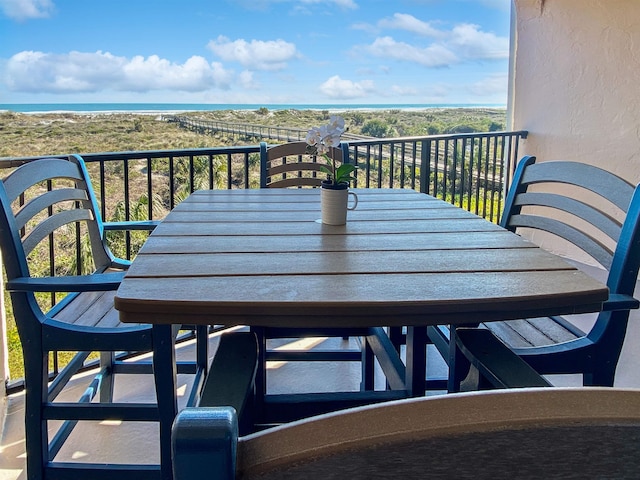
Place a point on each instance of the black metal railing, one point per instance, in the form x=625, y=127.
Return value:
x=472, y=171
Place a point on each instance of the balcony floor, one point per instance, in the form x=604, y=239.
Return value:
x=137, y=442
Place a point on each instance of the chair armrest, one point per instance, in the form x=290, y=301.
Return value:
x=120, y=263
x=204, y=442
x=75, y=283
x=618, y=301
x=496, y=363
x=131, y=225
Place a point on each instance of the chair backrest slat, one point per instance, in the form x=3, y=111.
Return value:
x=32, y=173
x=294, y=167
x=601, y=220
x=51, y=224
x=604, y=183
x=46, y=200
x=597, y=250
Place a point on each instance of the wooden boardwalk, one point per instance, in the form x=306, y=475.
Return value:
x=212, y=127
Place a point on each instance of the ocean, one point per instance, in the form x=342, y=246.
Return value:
x=198, y=107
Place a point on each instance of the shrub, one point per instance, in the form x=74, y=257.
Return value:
x=376, y=128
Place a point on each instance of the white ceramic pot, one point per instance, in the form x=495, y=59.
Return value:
x=334, y=201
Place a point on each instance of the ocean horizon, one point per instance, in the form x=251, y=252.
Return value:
x=196, y=107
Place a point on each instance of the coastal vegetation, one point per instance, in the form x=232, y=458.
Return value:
x=23, y=135
x=26, y=135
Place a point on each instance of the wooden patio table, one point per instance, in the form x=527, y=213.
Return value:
x=262, y=258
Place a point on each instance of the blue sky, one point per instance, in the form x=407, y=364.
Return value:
x=254, y=51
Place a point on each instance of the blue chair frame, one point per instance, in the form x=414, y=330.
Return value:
x=37, y=199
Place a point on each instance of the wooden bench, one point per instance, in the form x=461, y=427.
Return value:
x=231, y=378
x=493, y=364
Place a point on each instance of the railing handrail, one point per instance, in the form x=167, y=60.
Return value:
x=8, y=162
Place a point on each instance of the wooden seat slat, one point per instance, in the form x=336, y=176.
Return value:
x=111, y=319
x=76, y=307
x=533, y=332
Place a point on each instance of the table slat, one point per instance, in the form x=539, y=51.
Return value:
x=319, y=263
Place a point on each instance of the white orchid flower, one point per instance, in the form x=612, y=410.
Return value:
x=336, y=122
x=313, y=136
x=322, y=139
x=322, y=148
x=333, y=139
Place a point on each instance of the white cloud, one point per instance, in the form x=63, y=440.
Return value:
x=491, y=85
x=26, y=9
x=409, y=23
x=337, y=88
x=81, y=72
x=246, y=80
x=434, y=55
x=472, y=43
x=404, y=90
x=463, y=42
x=254, y=55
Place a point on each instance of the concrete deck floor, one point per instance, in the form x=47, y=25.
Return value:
x=138, y=442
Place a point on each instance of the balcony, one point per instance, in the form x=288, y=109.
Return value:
x=472, y=171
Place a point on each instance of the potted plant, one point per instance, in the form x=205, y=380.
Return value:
x=335, y=189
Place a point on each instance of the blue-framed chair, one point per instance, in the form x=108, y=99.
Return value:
x=42, y=200
x=289, y=165
x=524, y=433
x=598, y=213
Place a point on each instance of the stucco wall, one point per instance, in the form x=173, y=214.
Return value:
x=576, y=83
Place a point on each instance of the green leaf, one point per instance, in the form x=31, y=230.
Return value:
x=344, y=171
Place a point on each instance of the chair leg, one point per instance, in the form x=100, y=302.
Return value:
x=106, y=385
x=368, y=372
x=459, y=365
x=164, y=371
x=36, y=432
x=416, y=371
x=396, y=336
x=602, y=377
x=261, y=373
x=202, y=348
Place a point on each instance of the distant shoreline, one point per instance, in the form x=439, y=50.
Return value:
x=175, y=108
